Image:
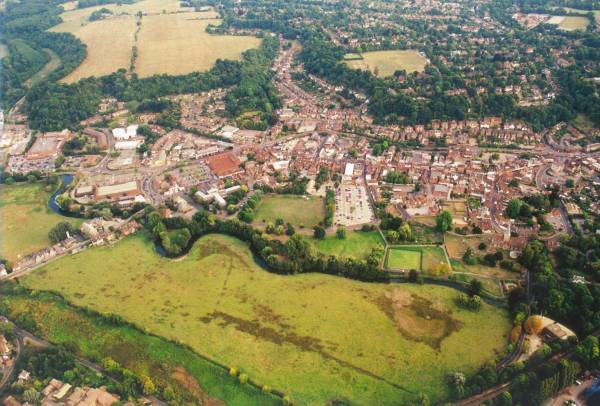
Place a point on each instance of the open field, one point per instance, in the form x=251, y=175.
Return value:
x=424, y=258
x=178, y=44
x=357, y=244
x=171, y=40
x=53, y=64
x=314, y=336
x=305, y=210
x=25, y=220
x=388, y=62
x=570, y=23
x=171, y=365
x=109, y=43
x=579, y=11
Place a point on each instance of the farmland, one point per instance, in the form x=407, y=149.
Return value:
x=290, y=332
x=170, y=40
x=385, y=63
x=570, y=23
x=357, y=245
x=165, y=39
x=26, y=219
x=298, y=210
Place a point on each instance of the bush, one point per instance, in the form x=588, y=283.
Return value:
x=243, y=378
x=233, y=371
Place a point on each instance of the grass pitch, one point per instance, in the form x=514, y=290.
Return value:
x=388, y=62
x=26, y=220
x=298, y=210
x=315, y=337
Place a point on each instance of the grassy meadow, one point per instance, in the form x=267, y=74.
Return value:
x=25, y=219
x=357, y=244
x=171, y=365
x=298, y=210
x=171, y=39
x=570, y=23
x=313, y=336
x=388, y=62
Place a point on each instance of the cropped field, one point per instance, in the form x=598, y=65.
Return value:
x=25, y=220
x=171, y=39
x=388, y=62
x=570, y=23
x=424, y=258
x=290, y=332
x=298, y=210
x=109, y=43
x=178, y=44
x=357, y=244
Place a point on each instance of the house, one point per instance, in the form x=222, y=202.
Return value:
x=122, y=134
x=118, y=192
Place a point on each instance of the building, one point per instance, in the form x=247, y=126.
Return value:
x=224, y=165
x=122, y=134
x=118, y=192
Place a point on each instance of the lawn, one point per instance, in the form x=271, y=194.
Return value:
x=385, y=63
x=314, y=336
x=457, y=244
x=404, y=258
x=298, y=210
x=178, y=44
x=357, y=244
x=424, y=258
x=26, y=219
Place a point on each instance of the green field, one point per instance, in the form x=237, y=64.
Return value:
x=290, y=332
x=357, y=244
x=26, y=219
x=423, y=258
x=172, y=366
x=298, y=210
x=385, y=63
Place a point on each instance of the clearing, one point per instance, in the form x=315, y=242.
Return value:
x=306, y=211
x=357, y=244
x=385, y=63
x=313, y=336
x=26, y=219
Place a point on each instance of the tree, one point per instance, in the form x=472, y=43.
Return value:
x=59, y=232
x=341, y=232
x=588, y=351
x=319, y=232
x=475, y=287
x=443, y=221
x=534, y=325
x=513, y=208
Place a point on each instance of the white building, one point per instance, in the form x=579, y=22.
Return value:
x=121, y=134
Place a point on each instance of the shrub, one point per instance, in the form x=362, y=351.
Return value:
x=533, y=325
x=243, y=378
x=233, y=371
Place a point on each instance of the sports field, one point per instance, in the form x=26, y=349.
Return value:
x=171, y=39
x=424, y=258
x=357, y=244
x=25, y=220
x=298, y=210
x=385, y=63
x=178, y=44
x=314, y=336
